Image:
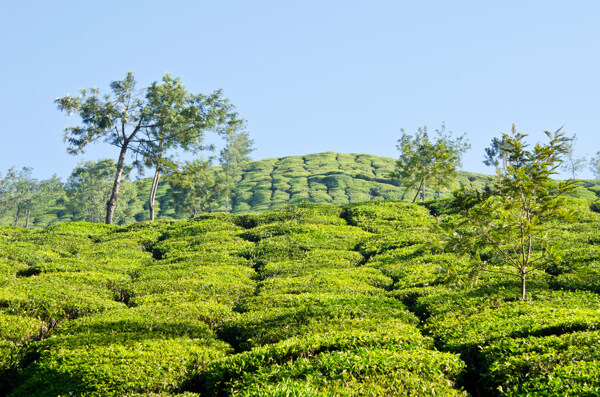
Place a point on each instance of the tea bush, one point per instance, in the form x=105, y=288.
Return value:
x=116, y=369
x=59, y=296
x=336, y=363
x=206, y=243
x=418, y=271
x=222, y=283
x=567, y=364
x=365, y=372
x=303, y=213
x=293, y=315
x=310, y=261
x=346, y=280
x=308, y=299
x=554, y=313
x=386, y=217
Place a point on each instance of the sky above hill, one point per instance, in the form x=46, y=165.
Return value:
x=309, y=76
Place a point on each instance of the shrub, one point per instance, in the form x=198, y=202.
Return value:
x=59, y=296
x=116, y=369
x=225, y=283
x=386, y=217
x=409, y=270
x=554, y=313
x=303, y=213
x=294, y=315
x=334, y=364
x=346, y=280
x=310, y=261
x=311, y=236
x=568, y=364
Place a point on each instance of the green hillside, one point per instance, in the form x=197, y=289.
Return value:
x=309, y=300
x=333, y=178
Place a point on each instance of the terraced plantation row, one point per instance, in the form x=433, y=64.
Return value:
x=307, y=300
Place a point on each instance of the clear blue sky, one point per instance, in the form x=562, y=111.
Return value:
x=309, y=76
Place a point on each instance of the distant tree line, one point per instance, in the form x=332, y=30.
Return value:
x=150, y=127
x=192, y=187
x=433, y=161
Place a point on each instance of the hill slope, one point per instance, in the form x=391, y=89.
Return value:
x=334, y=178
x=309, y=300
x=325, y=178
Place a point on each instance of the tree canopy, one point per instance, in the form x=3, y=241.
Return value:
x=233, y=156
x=424, y=161
x=146, y=123
x=17, y=191
x=89, y=187
x=510, y=217
x=195, y=188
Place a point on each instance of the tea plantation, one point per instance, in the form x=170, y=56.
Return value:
x=360, y=299
x=268, y=184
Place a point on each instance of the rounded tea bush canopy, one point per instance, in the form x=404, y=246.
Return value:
x=360, y=299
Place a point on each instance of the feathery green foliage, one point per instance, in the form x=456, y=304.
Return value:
x=512, y=216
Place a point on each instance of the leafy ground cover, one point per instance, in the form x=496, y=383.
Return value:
x=360, y=299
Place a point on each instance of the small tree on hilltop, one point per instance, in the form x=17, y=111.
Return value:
x=595, y=165
x=233, y=156
x=425, y=162
x=511, y=216
x=572, y=164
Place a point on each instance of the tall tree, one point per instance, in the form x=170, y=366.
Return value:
x=424, y=161
x=147, y=122
x=185, y=119
x=233, y=156
x=89, y=186
x=511, y=216
x=195, y=188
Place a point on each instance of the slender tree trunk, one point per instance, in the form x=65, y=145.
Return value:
x=419, y=190
x=27, y=218
x=226, y=202
x=523, y=280
x=153, y=192
x=17, y=217
x=423, y=191
x=112, y=202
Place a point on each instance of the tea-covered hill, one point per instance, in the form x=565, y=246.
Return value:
x=308, y=300
x=322, y=178
x=266, y=184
